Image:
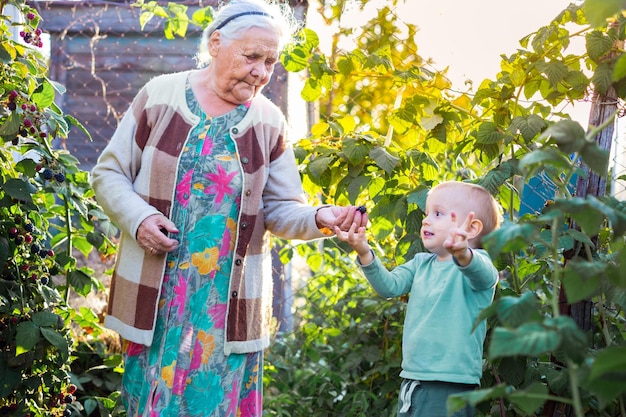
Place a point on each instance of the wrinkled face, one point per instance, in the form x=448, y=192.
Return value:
x=438, y=221
x=243, y=66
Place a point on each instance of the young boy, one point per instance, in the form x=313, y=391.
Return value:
x=449, y=287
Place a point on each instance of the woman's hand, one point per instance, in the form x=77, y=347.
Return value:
x=152, y=235
x=343, y=217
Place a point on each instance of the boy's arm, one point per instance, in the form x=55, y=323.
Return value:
x=480, y=273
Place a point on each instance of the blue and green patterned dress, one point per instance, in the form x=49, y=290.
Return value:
x=185, y=372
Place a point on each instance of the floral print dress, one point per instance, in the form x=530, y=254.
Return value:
x=185, y=372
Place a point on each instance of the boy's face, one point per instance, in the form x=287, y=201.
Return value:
x=438, y=221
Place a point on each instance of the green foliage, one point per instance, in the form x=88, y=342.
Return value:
x=391, y=128
x=345, y=352
x=47, y=218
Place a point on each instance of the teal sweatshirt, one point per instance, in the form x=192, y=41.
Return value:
x=438, y=343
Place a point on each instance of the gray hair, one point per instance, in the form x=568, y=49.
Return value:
x=235, y=17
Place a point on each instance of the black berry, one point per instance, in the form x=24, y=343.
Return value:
x=362, y=209
x=59, y=176
x=48, y=174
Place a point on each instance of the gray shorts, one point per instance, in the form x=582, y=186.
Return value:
x=429, y=398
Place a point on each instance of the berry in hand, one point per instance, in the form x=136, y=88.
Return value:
x=362, y=209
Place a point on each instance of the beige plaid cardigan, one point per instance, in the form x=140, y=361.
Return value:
x=135, y=177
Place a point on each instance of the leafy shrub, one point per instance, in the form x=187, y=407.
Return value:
x=47, y=216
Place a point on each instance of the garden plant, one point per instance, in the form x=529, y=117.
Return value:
x=48, y=221
x=390, y=127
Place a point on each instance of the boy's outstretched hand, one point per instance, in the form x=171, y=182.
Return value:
x=456, y=243
x=355, y=237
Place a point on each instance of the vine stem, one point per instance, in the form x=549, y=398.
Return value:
x=573, y=380
x=556, y=266
x=69, y=244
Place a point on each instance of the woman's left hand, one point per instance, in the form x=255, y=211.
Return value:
x=152, y=235
x=342, y=217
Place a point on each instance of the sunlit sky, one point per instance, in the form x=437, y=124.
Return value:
x=467, y=36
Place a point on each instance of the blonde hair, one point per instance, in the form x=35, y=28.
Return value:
x=232, y=19
x=473, y=197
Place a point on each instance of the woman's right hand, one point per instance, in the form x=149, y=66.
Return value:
x=152, y=235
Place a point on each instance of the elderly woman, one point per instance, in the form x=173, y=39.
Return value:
x=196, y=175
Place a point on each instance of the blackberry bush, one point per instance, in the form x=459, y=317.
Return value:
x=47, y=216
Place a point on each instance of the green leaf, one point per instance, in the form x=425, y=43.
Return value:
x=528, y=126
x=80, y=282
x=74, y=122
x=531, y=398
x=574, y=341
x=607, y=378
x=598, y=11
x=345, y=65
x=609, y=361
x=530, y=339
x=554, y=70
x=384, y=159
x=582, y=279
x=619, y=71
x=45, y=319
x=57, y=340
x=515, y=311
x=10, y=378
x=319, y=165
x=457, y=402
x=312, y=90
x=488, y=133
x=595, y=157
x=588, y=213
x=598, y=44
x=356, y=150
x=203, y=17
x=509, y=237
x=11, y=126
x=5, y=56
x=18, y=189
x=44, y=95
x=27, y=336
x=602, y=77
x=5, y=249
x=418, y=196
x=568, y=135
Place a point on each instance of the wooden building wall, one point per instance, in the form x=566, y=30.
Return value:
x=100, y=54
